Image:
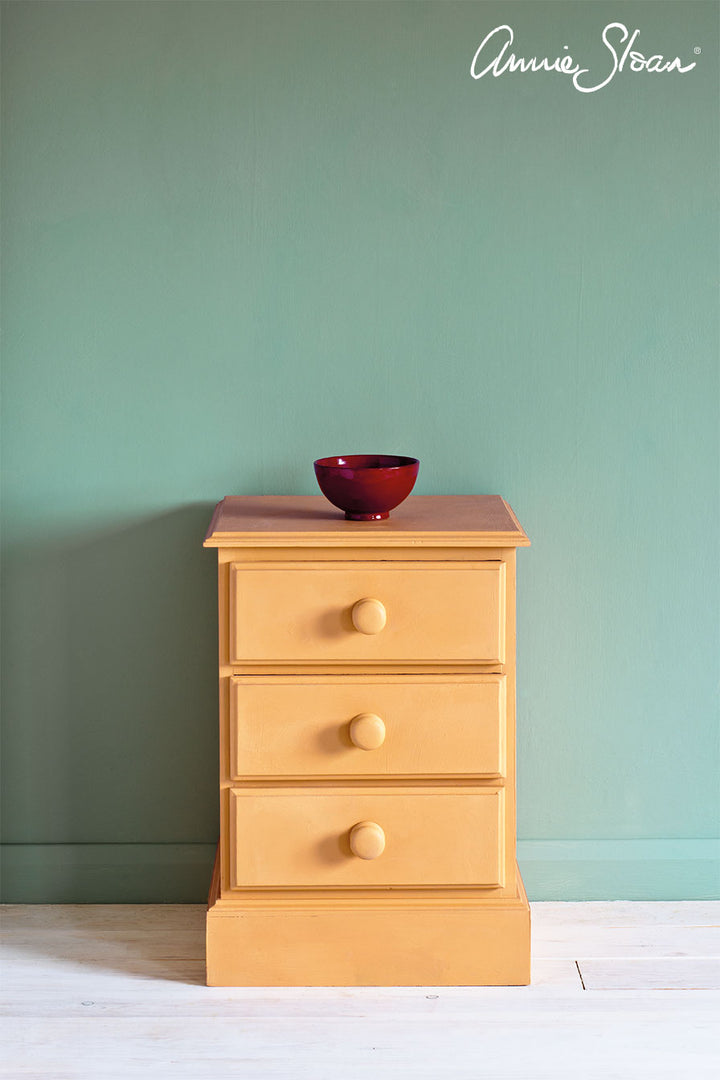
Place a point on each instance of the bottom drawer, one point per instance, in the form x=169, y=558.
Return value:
x=315, y=838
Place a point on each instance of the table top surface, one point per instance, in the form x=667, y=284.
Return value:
x=430, y=520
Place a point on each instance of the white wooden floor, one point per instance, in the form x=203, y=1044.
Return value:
x=620, y=990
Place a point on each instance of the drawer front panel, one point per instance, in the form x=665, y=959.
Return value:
x=287, y=837
x=429, y=612
x=373, y=726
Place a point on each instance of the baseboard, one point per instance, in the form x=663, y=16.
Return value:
x=179, y=873
x=105, y=873
x=620, y=869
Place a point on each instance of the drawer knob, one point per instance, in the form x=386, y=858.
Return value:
x=367, y=731
x=369, y=615
x=367, y=840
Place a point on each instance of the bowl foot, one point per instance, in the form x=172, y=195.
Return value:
x=366, y=517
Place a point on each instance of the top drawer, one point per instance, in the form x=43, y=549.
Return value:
x=420, y=612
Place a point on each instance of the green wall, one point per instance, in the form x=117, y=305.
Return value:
x=237, y=236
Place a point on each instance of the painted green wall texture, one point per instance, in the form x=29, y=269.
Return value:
x=237, y=236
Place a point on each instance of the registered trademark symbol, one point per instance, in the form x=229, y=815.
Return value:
x=697, y=50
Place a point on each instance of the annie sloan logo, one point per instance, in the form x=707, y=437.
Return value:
x=493, y=57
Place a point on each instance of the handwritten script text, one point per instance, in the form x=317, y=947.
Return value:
x=492, y=56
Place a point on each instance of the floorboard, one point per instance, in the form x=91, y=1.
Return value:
x=620, y=990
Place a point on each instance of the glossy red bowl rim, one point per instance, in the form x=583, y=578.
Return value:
x=369, y=462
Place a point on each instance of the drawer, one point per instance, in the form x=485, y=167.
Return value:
x=290, y=837
x=419, y=612
x=367, y=725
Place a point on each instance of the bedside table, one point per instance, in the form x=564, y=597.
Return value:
x=367, y=746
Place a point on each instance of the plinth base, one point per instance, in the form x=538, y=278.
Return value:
x=368, y=942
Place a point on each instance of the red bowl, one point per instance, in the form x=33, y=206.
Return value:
x=366, y=486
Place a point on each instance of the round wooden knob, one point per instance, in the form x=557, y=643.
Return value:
x=367, y=731
x=369, y=616
x=367, y=840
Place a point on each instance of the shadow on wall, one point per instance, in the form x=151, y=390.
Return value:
x=110, y=688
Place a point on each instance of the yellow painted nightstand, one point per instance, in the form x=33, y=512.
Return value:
x=367, y=746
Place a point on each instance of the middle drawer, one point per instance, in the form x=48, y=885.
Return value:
x=367, y=725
